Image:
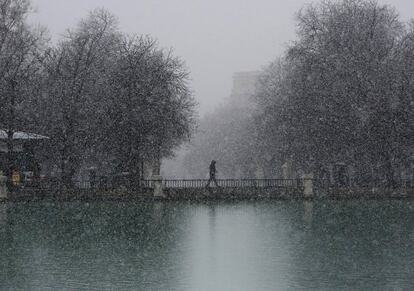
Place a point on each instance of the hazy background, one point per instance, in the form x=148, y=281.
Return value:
x=215, y=38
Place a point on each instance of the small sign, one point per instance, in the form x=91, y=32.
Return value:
x=16, y=178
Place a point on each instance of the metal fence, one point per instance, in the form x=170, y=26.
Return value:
x=110, y=184
x=233, y=183
x=106, y=183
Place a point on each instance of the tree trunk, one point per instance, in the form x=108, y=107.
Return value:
x=389, y=171
x=10, y=160
x=62, y=169
x=71, y=166
x=135, y=172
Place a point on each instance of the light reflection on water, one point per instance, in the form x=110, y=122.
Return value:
x=213, y=246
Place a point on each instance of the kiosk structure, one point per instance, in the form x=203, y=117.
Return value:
x=25, y=163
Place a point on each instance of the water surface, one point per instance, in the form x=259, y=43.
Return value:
x=215, y=246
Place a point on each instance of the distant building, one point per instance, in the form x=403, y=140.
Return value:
x=192, y=162
x=244, y=87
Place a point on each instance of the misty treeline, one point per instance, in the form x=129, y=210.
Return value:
x=101, y=96
x=226, y=135
x=342, y=93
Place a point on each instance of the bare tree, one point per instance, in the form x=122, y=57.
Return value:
x=21, y=51
x=151, y=109
x=76, y=71
x=337, y=95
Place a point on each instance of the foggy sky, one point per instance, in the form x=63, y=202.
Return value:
x=214, y=37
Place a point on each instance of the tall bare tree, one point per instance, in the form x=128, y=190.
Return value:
x=75, y=78
x=150, y=109
x=341, y=84
x=21, y=51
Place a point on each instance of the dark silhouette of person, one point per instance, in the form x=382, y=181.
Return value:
x=212, y=174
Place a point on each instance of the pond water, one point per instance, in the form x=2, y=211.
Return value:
x=358, y=245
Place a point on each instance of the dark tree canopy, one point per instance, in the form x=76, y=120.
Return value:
x=104, y=98
x=343, y=91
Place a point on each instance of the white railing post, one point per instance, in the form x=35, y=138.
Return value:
x=308, y=186
x=158, y=186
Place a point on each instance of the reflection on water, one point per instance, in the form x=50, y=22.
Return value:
x=308, y=212
x=228, y=246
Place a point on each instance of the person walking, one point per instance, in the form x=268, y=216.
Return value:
x=213, y=172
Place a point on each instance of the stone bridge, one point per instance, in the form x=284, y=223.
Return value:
x=231, y=188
